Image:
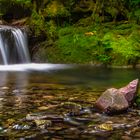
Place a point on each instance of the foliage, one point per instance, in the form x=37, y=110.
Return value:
x=37, y=23
x=134, y=14
x=51, y=30
x=22, y=2
x=80, y=31
x=4, y=4
x=117, y=46
x=56, y=9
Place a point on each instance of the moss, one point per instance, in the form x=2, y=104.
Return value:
x=55, y=9
x=37, y=23
x=91, y=44
x=83, y=31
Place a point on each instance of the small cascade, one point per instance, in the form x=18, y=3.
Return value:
x=13, y=46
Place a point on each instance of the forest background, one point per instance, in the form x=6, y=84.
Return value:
x=78, y=31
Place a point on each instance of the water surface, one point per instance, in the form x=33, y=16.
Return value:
x=49, y=89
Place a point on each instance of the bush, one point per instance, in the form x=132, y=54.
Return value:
x=118, y=46
x=37, y=23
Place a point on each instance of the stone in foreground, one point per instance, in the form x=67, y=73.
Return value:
x=117, y=100
x=130, y=91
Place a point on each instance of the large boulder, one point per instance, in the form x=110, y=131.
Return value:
x=130, y=90
x=117, y=100
x=106, y=99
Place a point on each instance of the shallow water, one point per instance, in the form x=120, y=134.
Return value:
x=48, y=101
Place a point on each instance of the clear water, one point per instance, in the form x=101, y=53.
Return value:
x=44, y=88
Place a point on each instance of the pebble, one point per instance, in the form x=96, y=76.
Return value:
x=20, y=127
x=16, y=91
x=1, y=128
x=71, y=121
x=126, y=138
x=71, y=105
x=137, y=135
x=5, y=88
x=43, y=123
x=138, y=112
x=1, y=99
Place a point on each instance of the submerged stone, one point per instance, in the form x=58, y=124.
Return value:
x=21, y=127
x=106, y=126
x=71, y=105
x=42, y=123
x=117, y=100
x=5, y=88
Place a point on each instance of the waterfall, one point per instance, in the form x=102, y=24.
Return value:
x=13, y=46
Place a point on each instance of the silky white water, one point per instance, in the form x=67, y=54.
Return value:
x=13, y=46
x=33, y=67
x=14, y=53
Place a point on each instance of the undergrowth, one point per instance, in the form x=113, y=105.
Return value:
x=107, y=44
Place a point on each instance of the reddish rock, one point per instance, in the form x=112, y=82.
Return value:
x=130, y=90
x=119, y=104
x=106, y=99
x=117, y=100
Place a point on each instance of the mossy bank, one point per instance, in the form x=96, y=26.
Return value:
x=107, y=43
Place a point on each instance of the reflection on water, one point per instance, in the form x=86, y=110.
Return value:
x=45, y=88
x=20, y=75
x=15, y=79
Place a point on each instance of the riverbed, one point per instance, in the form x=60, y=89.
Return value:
x=56, y=102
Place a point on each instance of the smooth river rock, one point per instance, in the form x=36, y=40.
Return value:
x=116, y=100
x=130, y=91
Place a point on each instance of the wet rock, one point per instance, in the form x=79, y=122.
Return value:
x=16, y=91
x=79, y=112
x=106, y=99
x=117, y=100
x=1, y=129
x=137, y=135
x=53, y=117
x=21, y=127
x=83, y=120
x=100, y=134
x=68, y=134
x=135, y=130
x=20, y=22
x=5, y=88
x=42, y=123
x=119, y=104
x=1, y=22
x=71, y=121
x=30, y=117
x=71, y=105
x=85, y=111
x=110, y=101
x=47, y=107
x=126, y=138
x=119, y=126
x=105, y=126
x=33, y=136
x=138, y=112
x=1, y=99
x=130, y=91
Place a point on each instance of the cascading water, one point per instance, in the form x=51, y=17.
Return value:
x=13, y=46
x=14, y=54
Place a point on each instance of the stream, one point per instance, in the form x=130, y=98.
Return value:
x=55, y=102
